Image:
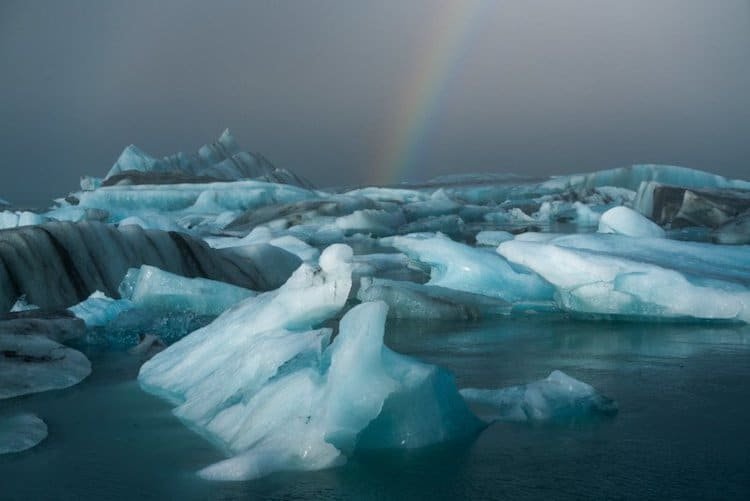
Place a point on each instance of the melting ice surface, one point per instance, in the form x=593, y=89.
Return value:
x=275, y=294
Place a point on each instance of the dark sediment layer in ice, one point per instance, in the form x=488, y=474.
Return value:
x=56, y=265
x=679, y=206
x=60, y=325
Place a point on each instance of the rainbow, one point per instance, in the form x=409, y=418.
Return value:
x=443, y=44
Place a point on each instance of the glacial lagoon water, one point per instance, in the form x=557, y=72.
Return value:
x=682, y=430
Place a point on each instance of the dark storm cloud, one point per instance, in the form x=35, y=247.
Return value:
x=539, y=87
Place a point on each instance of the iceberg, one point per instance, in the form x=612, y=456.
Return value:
x=176, y=374
x=185, y=199
x=9, y=219
x=80, y=258
x=21, y=432
x=624, y=221
x=632, y=176
x=98, y=310
x=373, y=221
x=277, y=396
x=151, y=287
x=640, y=278
x=367, y=398
x=556, y=398
x=219, y=161
x=460, y=267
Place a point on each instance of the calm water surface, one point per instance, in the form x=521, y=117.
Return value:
x=683, y=430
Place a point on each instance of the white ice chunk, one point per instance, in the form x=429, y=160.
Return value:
x=20, y=432
x=640, y=277
x=258, y=382
x=373, y=221
x=367, y=397
x=98, y=310
x=390, y=194
x=628, y=222
x=33, y=363
x=10, y=219
x=464, y=268
x=154, y=288
x=558, y=397
x=309, y=297
x=133, y=158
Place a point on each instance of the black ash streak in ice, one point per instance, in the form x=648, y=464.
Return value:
x=247, y=270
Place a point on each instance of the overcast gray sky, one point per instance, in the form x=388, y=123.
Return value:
x=347, y=92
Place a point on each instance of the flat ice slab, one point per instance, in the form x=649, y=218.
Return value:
x=33, y=363
x=640, y=278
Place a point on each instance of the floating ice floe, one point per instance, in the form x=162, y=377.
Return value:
x=625, y=221
x=157, y=290
x=460, y=267
x=151, y=287
x=556, y=398
x=20, y=432
x=640, y=278
x=31, y=363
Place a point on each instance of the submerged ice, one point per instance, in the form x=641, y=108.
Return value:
x=556, y=398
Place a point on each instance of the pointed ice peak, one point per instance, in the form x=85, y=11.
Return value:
x=133, y=158
x=225, y=147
